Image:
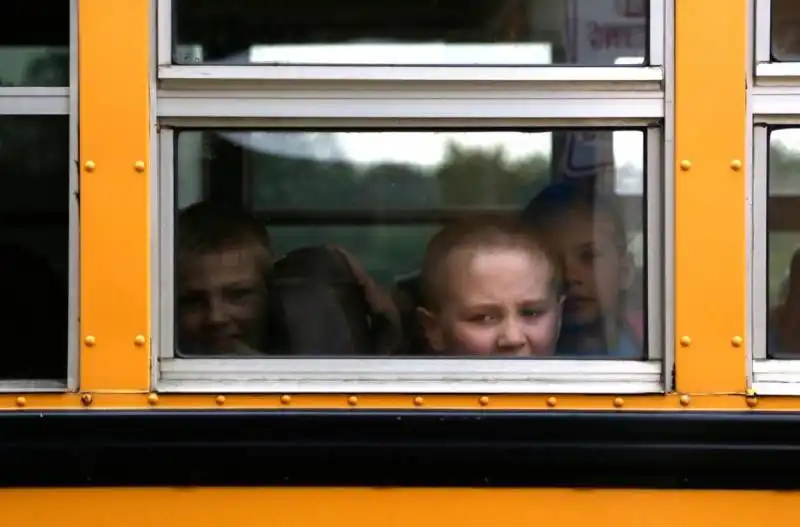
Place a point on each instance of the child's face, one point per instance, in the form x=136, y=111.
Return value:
x=221, y=303
x=596, y=270
x=498, y=302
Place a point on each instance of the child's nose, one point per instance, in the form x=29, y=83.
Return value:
x=511, y=335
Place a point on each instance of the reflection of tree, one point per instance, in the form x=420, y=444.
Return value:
x=485, y=178
x=49, y=69
x=467, y=178
x=784, y=169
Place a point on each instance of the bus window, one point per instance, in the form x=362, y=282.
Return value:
x=34, y=44
x=555, y=267
x=35, y=170
x=34, y=245
x=473, y=32
x=783, y=241
x=784, y=25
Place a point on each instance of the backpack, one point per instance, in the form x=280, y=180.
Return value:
x=322, y=302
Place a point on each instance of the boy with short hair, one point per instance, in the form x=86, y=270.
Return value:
x=490, y=288
x=222, y=260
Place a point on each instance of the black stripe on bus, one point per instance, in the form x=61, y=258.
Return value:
x=739, y=450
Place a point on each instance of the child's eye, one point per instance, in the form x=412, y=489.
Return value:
x=589, y=255
x=481, y=319
x=530, y=313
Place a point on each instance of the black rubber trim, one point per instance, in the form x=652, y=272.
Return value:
x=417, y=448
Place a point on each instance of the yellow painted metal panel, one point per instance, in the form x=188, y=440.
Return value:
x=114, y=157
x=394, y=507
x=710, y=244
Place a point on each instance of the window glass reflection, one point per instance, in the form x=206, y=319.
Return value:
x=340, y=243
x=34, y=43
x=34, y=238
x=783, y=231
x=784, y=25
x=416, y=32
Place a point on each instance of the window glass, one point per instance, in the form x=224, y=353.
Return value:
x=34, y=245
x=34, y=43
x=411, y=32
x=783, y=239
x=784, y=24
x=508, y=243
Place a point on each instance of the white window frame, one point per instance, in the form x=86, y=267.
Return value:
x=31, y=101
x=773, y=100
x=375, y=97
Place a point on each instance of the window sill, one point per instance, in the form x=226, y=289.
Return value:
x=382, y=375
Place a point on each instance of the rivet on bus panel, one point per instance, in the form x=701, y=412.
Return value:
x=152, y=399
x=551, y=402
x=220, y=400
x=736, y=165
x=686, y=341
x=418, y=401
x=737, y=341
x=87, y=399
x=686, y=165
x=139, y=166
x=286, y=399
x=619, y=402
x=90, y=166
x=89, y=340
x=483, y=401
x=352, y=400
x=685, y=400
x=752, y=401
x=20, y=401
x=139, y=340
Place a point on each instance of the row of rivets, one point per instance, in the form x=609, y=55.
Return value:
x=90, y=166
x=736, y=341
x=138, y=340
x=686, y=165
x=618, y=402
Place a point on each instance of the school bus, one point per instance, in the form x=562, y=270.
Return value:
x=370, y=127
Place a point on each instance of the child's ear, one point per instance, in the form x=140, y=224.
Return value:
x=433, y=332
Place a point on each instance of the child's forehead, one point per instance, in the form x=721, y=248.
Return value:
x=488, y=259
x=234, y=255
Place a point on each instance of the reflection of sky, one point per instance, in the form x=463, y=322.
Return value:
x=418, y=148
x=427, y=53
x=787, y=137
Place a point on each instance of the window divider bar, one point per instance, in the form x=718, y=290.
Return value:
x=13, y=101
x=656, y=250
x=777, y=74
x=163, y=231
x=759, y=244
x=763, y=31
x=540, y=74
x=329, y=104
x=657, y=31
x=73, y=309
x=163, y=35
